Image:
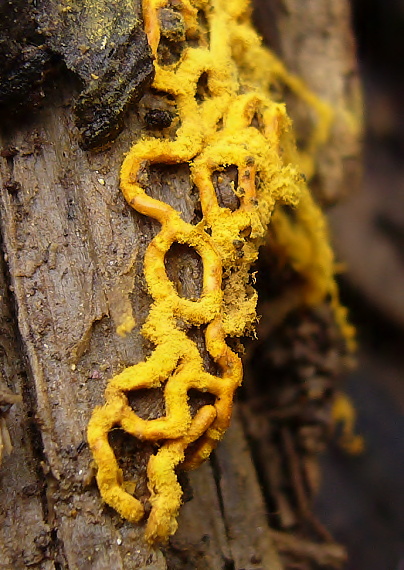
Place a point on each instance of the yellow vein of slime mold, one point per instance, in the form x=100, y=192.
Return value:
x=213, y=133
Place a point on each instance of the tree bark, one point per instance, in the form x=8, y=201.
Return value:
x=73, y=261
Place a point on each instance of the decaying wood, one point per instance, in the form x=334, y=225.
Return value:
x=73, y=252
x=24, y=531
x=315, y=40
x=326, y=555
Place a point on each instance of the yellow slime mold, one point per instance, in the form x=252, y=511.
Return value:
x=236, y=124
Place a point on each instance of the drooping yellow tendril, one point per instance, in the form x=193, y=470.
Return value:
x=343, y=414
x=236, y=124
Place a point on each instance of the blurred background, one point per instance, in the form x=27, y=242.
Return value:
x=362, y=498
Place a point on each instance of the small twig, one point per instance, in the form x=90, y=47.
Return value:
x=269, y=463
x=299, y=488
x=324, y=554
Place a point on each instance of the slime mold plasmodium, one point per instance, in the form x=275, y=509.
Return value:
x=237, y=123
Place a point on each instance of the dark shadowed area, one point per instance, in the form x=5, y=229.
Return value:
x=362, y=498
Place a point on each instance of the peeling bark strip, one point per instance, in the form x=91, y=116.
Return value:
x=74, y=256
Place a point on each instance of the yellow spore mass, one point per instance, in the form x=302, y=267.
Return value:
x=237, y=123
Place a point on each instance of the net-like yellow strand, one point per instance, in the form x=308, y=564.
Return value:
x=237, y=123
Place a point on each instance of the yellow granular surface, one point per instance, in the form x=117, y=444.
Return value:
x=237, y=123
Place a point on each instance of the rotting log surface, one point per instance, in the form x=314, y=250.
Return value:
x=73, y=259
x=74, y=253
